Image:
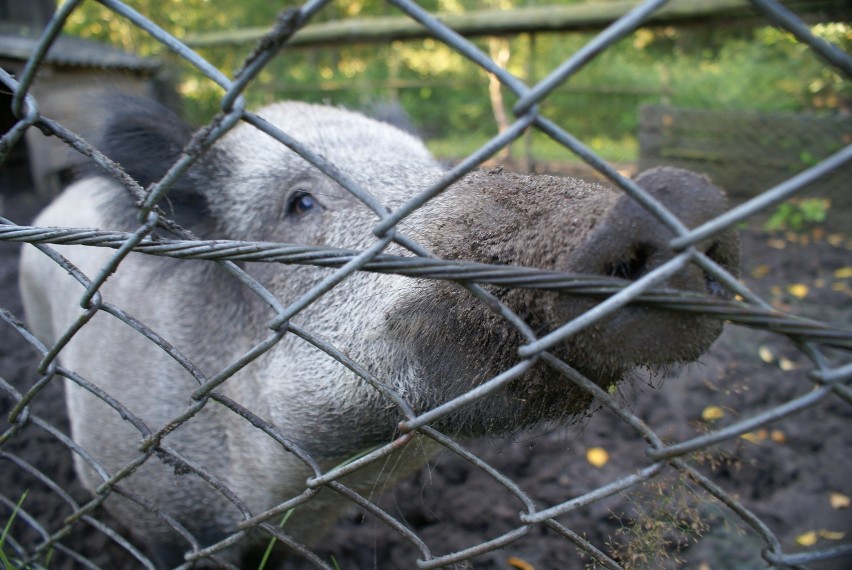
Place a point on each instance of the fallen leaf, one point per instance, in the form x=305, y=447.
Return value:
x=843, y=273
x=755, y=436
x=776, y=243
x=778, y=436
x=798, y=290
x=835, y=239
x=520, y=564
x=819, y=282
x=807, y=539
x=712, y=413
x=818, y=234
x=838, y=501
x=831, y=534
x=597, y=456
x=760, y=271
x=765, y=354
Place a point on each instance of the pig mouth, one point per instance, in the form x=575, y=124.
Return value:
x=459, y=344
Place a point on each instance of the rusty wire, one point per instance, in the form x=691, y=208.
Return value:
x=440, y=269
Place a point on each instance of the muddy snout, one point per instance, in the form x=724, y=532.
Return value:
x=628, y=242
x=579, y=227
x=558, y=224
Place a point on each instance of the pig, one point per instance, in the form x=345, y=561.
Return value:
x=430, y=341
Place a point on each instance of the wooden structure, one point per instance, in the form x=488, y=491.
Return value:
x=747, y=152
x=582, y=17
x=69, y=88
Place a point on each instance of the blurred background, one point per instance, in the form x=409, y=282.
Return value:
x=706, y=85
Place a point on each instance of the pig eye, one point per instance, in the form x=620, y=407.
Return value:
x=300, y=203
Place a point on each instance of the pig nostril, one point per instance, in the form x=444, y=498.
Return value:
x=630, y=268
x=714, y=287
x=713, y=252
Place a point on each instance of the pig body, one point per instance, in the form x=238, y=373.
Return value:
x=429, y=341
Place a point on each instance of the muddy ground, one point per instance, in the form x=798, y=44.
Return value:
x=793, y=473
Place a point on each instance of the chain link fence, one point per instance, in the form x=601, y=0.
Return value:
x=824, y=345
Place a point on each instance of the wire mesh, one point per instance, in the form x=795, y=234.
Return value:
x=830, y=380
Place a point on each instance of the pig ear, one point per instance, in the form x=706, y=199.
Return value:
x=146, y=139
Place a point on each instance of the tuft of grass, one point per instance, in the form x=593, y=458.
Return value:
x=668, y=516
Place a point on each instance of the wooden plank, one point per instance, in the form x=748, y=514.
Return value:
x=590, y=16
x=745, y=152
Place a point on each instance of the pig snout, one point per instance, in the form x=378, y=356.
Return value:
x=629, y=242
x=576, y=227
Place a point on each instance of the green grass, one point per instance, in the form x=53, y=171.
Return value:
x=265, y=560
x=268, y=552
x=8, y=564
x=544, y=149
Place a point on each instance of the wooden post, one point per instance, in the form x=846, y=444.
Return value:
x=528, y=164
x=584, y=16
x=393, y=73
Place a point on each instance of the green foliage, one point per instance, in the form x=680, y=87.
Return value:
x=766, y=70
x=798, y=215
x=544, y=149
x=733, y=67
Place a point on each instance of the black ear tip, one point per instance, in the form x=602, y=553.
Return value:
x=146, y=139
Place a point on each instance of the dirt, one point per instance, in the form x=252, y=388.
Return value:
x=786, y=472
